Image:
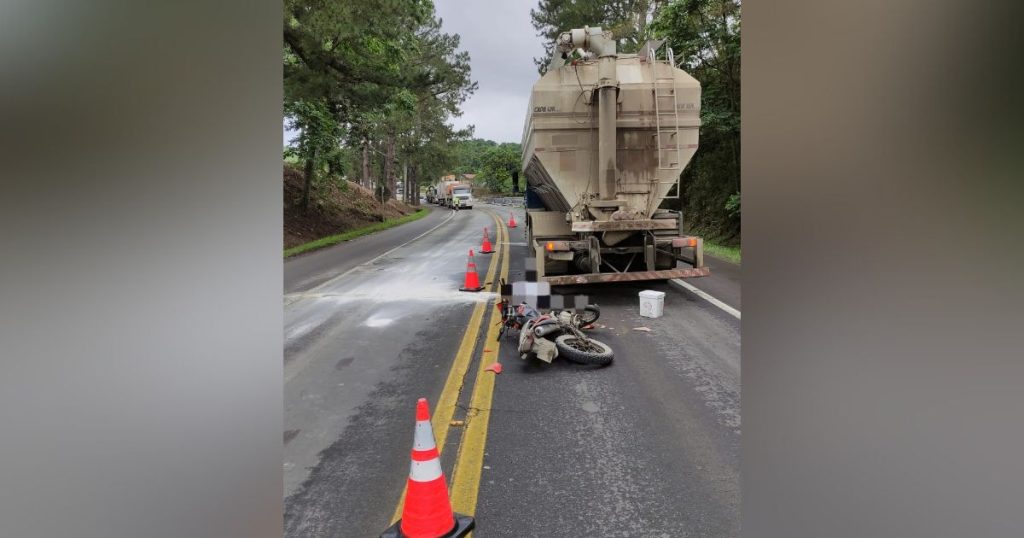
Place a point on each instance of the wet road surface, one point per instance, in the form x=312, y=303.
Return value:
x=648, y=446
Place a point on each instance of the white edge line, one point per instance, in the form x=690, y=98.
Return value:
x=703, y=295
x=379, y=256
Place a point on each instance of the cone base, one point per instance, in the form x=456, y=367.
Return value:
x=471, y=289
x=486, y=252
x=463, y=524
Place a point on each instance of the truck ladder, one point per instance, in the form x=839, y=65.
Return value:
x=666, y=106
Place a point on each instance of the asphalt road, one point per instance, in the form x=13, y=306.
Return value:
x=359, y=351
x=307, y=270
x=648, y=446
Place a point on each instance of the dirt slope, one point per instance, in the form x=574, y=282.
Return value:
x=334, y=209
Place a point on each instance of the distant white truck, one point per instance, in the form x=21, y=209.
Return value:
x=464, y=192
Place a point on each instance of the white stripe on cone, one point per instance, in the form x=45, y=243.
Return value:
x=425, y=471
x=423, y=438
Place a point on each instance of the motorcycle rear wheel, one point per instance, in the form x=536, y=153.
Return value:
x=583, y=351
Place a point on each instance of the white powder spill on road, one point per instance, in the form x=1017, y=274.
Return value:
x=304, y=327
x=299, y=330
x=410, y=280
x=408, y=274
x=378, y=322
x=446, y=296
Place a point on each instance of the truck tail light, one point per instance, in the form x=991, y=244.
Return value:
x=680, y=242
x=552, y=246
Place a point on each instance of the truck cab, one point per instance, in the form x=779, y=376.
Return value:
x=465, y=195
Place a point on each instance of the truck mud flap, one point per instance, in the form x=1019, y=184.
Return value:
x=563, y=280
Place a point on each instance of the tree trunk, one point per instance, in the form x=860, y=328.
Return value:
x=389, y=163
x=406, y=186
x=307, y=183
x=413, y=188
x=365, y=181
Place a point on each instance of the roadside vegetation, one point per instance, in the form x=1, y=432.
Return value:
x=352, y=234
x=339, y=207
x=369, y=91
x=492, y=162
x=729, y=254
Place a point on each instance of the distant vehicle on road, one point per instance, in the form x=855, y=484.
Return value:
x=447, y=190
x=464, y=192
x=441, y=191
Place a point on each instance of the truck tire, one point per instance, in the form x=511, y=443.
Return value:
x=594, y=352
x=663, y=261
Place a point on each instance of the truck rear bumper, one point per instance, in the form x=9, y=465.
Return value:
x=562, y=280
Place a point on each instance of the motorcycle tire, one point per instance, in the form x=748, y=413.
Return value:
x=597, y=353
x=589, y=315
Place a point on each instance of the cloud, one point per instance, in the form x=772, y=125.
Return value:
x=501, y=43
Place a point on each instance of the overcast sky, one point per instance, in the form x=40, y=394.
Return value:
x=501, y=43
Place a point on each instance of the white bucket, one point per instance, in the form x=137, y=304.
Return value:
x=652, y=303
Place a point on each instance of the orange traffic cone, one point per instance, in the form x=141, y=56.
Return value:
x=511, y=220
x=472, y=282
x=486, y=247
x=427, y=512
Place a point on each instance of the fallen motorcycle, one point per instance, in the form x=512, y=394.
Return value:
x=555, y=334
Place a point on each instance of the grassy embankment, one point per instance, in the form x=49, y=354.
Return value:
x=352, y=234
x=730, y=254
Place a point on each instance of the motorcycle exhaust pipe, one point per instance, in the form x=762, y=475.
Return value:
x=545, y=330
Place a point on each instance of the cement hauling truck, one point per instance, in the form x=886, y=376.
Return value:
x=606, y=138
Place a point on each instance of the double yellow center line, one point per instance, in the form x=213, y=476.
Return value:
x=466, y=477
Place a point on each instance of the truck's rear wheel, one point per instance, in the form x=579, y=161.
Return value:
x=664, y=261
